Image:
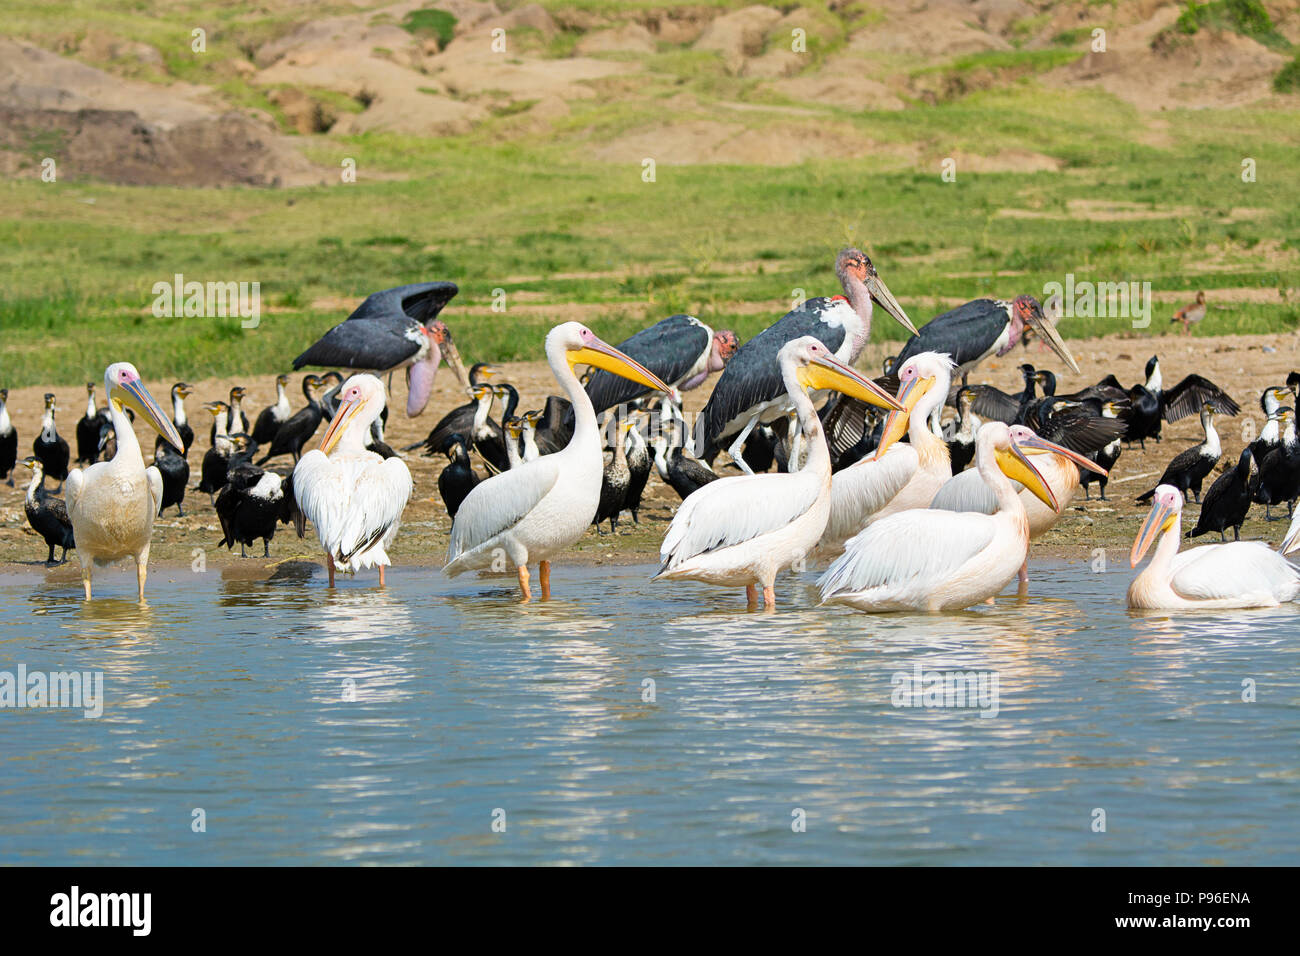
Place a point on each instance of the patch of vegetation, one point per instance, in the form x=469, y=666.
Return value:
x=1247, y=17
x=1288, y=78
x=431, y=23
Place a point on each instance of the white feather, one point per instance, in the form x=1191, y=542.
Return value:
x=355, y=502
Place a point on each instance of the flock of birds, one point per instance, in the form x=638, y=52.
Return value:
x=863, y=473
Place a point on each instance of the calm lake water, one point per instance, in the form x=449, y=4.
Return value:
x=394, y=727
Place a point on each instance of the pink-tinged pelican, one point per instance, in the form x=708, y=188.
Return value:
x=742, y=530
x=1238, y=574
x=898, y=477
x=538, y=509
x=927, y=560
x=353, y=496
x=112, y=504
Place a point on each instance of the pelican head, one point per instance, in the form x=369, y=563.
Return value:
x=361, y=400
x=855, y=263
x=1011, y=447
x=929, y=373
x=123, y=387
x=816, y=367
x=582, y=347
x=1166, y=507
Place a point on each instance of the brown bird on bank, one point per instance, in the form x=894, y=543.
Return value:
x=1189, y=315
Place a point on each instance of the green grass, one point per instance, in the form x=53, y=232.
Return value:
x=435, y=23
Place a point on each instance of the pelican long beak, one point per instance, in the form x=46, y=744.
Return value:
x=137, y=397
x=880, y=292
x=1015, y=464
x=346, y=412
x=897, y=422
x=1160, y=520
x=1036, y=446
x=1047, y=329
x=599, y=355
x=824, y=372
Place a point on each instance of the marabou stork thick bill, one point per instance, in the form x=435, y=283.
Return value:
x=977, y=330
x=681, y=350
x=751, y=390
x=392, y=329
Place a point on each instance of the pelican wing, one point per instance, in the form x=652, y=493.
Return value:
x=353, y=503
x=966, y=492
x=498, y=503
x=72, y=488
x=732, y=510
x=1218, y=571
x=905, y=547
x=154, y=478
x=862, y=489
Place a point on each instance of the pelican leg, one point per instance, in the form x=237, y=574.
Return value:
x=1022, y=575
x=141, y=572
x=329, y=563
x=544, y=572
x=735, y=452
x=85, y=575
x=751, y=595
x=769, y=598
x=381, y=576
x=525, y=594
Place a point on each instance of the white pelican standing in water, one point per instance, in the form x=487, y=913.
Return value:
x=112, y=504
x=898, y=477
x=531, y=512
x=1238, y=574
x=742, y=530
x=353, y=496
x=927, y=560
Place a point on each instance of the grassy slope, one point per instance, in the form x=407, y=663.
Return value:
x=494, y=209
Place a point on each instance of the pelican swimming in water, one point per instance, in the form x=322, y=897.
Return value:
x=531, y=512
x=928, y=560
x=352, y=495
x=742, y=530
x=898, y=477
x=113, y=503
x=1238, y=574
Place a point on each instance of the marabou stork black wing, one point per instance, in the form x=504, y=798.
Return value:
x=964, y=334
x=753, y=375
x=993, y=404
x=421, y=301
x=375, y=344
x=1187, y=397
x=844, y=422
x=669, y=348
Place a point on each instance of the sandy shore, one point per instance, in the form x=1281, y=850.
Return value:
x=1243, y=365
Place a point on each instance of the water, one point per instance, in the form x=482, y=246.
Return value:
x=231, y=696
